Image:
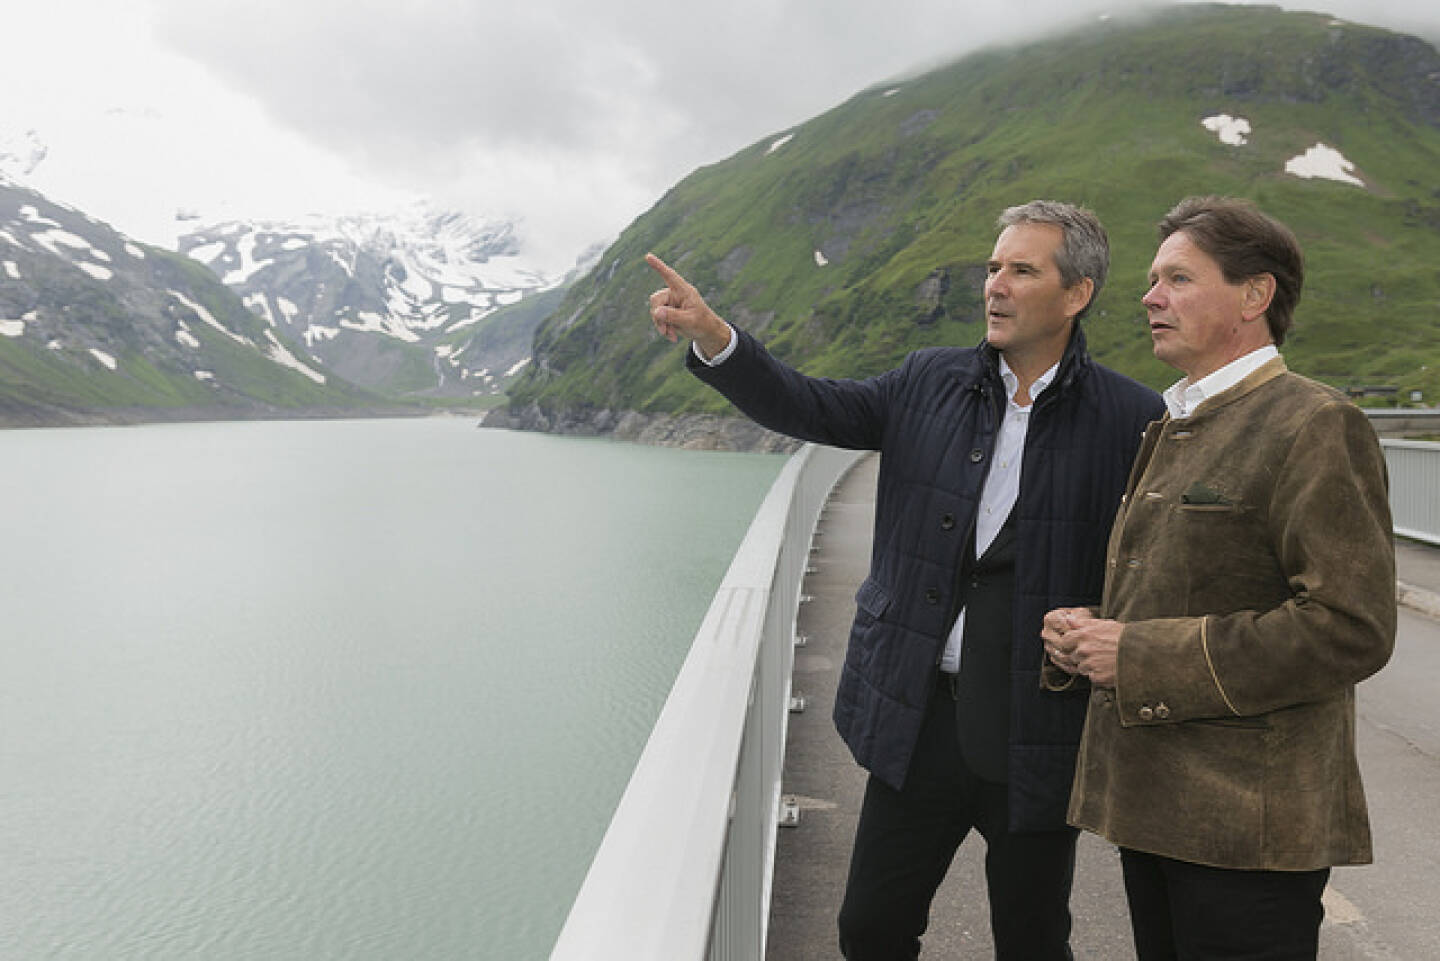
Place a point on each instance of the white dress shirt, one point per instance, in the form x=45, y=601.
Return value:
x=1002, y=485
x=1182, y=397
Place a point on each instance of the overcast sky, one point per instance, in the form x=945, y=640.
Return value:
x=572, y=116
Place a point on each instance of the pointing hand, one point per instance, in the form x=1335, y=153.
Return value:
x=677, y=308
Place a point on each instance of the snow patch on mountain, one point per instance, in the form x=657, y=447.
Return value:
x=209, y=318
x=95, y=270
x=1324, y=162
x=779, y=142
x=281, y=355
x=1231, y=130
x=1320, y=161
x=205, y=253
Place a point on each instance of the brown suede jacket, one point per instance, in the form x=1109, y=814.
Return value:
x=1253, y=567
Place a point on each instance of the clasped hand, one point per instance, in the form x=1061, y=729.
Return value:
x=1078, y=642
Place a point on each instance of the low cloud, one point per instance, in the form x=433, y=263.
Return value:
x=571, y=116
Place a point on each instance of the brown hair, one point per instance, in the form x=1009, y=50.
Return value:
x=1245, y=243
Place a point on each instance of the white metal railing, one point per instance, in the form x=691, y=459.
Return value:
x=684, y=870
x=1414, y=487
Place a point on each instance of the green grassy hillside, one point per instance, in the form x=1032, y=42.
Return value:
x=898, y=190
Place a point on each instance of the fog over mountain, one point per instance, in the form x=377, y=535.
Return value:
x=564, y=118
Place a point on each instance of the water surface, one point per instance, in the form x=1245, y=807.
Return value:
x=339, y=690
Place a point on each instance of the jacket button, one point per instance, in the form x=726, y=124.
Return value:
x=977, y=455
x=1162, y=711
x=1147, y=713
x=947, y=523
x=932, y=596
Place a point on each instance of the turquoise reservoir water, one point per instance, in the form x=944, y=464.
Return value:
x=339, y=690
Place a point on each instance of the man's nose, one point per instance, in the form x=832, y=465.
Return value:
x=1152, y=299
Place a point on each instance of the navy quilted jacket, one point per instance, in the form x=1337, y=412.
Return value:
x=935, y=420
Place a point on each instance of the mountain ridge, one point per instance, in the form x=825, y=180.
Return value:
x=850, y=239
x=381, y=313
x=391, y=301
x=97, y=328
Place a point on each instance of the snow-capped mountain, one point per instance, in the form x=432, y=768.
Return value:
x=410, y=302
x=397, y=302
x=95, y=327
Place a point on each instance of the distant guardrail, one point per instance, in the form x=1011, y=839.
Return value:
x=1414, y=487
x=1399, y=421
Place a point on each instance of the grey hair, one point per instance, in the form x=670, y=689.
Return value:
x=1084, y=247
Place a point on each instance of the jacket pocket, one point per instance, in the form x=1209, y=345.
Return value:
x=868, y=630
x=871, y=600
x=1209, y=509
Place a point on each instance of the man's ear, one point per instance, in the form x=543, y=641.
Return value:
x=1078, y=295
x=1259, y=292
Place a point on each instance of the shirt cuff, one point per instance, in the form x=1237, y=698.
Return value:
x=721, y=357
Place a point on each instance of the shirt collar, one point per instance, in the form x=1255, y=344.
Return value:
x=1012, y=383
x=1183, y=397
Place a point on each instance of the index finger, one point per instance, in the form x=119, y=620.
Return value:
x=673, y=280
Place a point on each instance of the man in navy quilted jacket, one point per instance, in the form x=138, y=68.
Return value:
x=1001, y=469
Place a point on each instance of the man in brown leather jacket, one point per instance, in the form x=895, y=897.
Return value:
x=1250, y=585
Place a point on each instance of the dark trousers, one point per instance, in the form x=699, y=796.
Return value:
x=906, y=840
x=1189, y=912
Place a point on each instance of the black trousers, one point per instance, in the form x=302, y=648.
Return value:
x=906, y=840
x=1189, y=912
